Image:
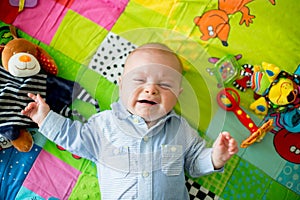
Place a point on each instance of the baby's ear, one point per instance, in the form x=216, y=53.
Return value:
x=120, y=81
x=13, y=31
x=180, y=91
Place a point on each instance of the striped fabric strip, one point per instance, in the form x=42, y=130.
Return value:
x=13, y=96
x=86, y=97
x=256, y=81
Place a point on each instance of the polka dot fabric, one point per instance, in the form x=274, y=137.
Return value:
x=290, y=176
x=244, y=181
x=110, y=57
x=14, y=167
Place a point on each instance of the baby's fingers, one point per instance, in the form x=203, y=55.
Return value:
x=226, y=135
x=37, y=98
x=32, y=96
x=233, y=147
x=28, y=109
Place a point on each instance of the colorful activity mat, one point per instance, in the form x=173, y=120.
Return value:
x=89, y=40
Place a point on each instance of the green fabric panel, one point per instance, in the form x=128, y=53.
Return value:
x=249, y=182
x=271, y=37
x=246, y=182
x=216, y=182
x=85, y=109
x=196, y=100
x=278, y=191
x=78, y=37
x=5, y=35
x=67, y=67
x=87, y=186
x=79, y=164
x=163, y=7
x=136, y=16
x=179, y=14
x=104, y=91
x=176, y=16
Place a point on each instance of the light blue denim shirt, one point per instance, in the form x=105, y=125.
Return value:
x=134, y=161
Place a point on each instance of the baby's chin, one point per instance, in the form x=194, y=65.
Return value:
x=152, y=119
x=149, y=114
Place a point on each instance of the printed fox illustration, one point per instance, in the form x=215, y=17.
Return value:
x=215, y=23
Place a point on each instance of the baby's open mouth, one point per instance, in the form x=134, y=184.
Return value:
x=147, y=102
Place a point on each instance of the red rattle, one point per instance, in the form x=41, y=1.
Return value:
x=229, y=100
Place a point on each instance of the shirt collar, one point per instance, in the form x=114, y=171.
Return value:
x=119, y=110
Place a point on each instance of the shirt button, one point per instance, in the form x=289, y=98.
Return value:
x=145, y=174
x=173, y=149
x=146, y=139
x=135, y=120
x=116, y=151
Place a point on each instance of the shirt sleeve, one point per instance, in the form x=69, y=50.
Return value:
x=198, y=161
x=74, y=136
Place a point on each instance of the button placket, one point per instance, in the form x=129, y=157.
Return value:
x=146, y=168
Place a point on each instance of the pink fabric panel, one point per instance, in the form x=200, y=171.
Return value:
x=51, y=177
x=103, y=12
x=42, y=21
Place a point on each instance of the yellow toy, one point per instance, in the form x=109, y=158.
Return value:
x=276, y=89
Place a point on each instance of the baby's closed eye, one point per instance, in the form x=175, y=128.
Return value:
x=165, y=85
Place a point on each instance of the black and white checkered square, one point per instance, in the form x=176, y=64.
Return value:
x=197, y=192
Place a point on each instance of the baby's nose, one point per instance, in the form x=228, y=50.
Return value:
x=151, y=89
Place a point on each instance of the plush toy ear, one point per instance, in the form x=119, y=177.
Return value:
x=46, y=61
x=13, y=31
x=1, y=48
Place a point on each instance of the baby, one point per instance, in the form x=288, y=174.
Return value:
x=141, y=147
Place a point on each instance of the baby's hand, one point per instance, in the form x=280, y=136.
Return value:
x=36, y=110
x=224, y=148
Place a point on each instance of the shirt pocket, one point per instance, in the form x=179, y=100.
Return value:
x=116, y=162
x=171, y=160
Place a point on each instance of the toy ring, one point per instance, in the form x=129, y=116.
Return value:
x=229, y=100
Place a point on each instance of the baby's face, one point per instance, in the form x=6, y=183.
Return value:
x=150, y=84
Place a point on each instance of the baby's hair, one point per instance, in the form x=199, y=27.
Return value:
x=155, y=46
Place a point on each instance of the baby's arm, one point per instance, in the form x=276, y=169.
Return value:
x=36, y=110
x=224, y=148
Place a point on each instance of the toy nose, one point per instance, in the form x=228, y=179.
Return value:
x=24, y=58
